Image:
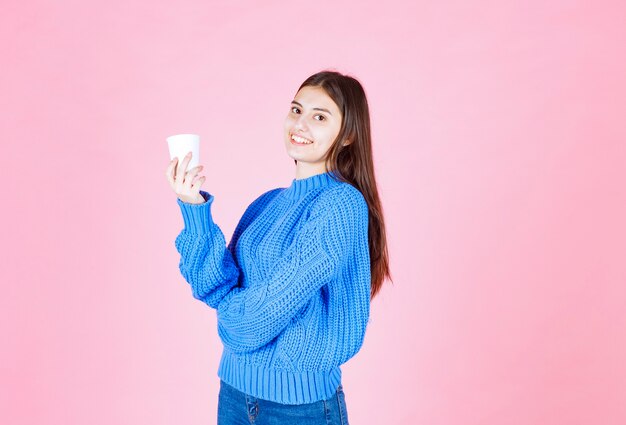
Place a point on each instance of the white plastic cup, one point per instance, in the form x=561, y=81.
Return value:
x=180, y=145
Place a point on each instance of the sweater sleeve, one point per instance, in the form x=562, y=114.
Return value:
x=206, y=263
x=251, y=317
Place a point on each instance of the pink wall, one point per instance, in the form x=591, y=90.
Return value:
x=500, y=159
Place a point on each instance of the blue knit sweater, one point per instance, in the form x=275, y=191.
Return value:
x=291, y=288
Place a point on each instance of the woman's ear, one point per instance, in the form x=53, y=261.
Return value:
x=346, y=143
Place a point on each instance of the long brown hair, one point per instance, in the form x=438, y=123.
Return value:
x=354, y=163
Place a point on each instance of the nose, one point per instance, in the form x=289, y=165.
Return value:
x=300, y=124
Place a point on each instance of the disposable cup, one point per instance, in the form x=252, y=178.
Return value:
x=180, y=145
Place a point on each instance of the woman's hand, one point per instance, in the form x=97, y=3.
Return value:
x=182, y=184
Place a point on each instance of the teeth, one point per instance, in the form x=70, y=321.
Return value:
x=301, y=139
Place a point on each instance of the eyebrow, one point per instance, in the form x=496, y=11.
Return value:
x=315, y=109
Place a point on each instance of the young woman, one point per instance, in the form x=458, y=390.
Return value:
x=292, y=288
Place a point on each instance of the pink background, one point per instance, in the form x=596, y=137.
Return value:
x=500, y=160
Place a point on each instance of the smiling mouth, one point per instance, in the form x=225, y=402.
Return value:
x=300, y=140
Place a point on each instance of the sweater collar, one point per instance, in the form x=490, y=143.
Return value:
x=299, y=187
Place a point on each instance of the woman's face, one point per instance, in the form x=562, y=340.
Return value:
x=314, y=116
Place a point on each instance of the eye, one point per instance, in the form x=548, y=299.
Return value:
x=318, y=115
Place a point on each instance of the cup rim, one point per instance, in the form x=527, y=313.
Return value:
x=182, y=134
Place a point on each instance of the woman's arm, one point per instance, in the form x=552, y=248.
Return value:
x=206, y=263
x=250, y=317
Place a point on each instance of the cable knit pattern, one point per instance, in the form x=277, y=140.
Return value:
x=291, y=289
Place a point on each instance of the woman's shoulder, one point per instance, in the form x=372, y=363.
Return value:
x=344, y=191
x=268, y=194
x=264, y=198
x=344, y=196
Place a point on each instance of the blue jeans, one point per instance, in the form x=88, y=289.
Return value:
x=237, y=408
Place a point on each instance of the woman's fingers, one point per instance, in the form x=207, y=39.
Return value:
x=189, y=176
x=183, y=182
x=184, y=164
x=169, y=172
x=179, y=170
x=196, y=186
